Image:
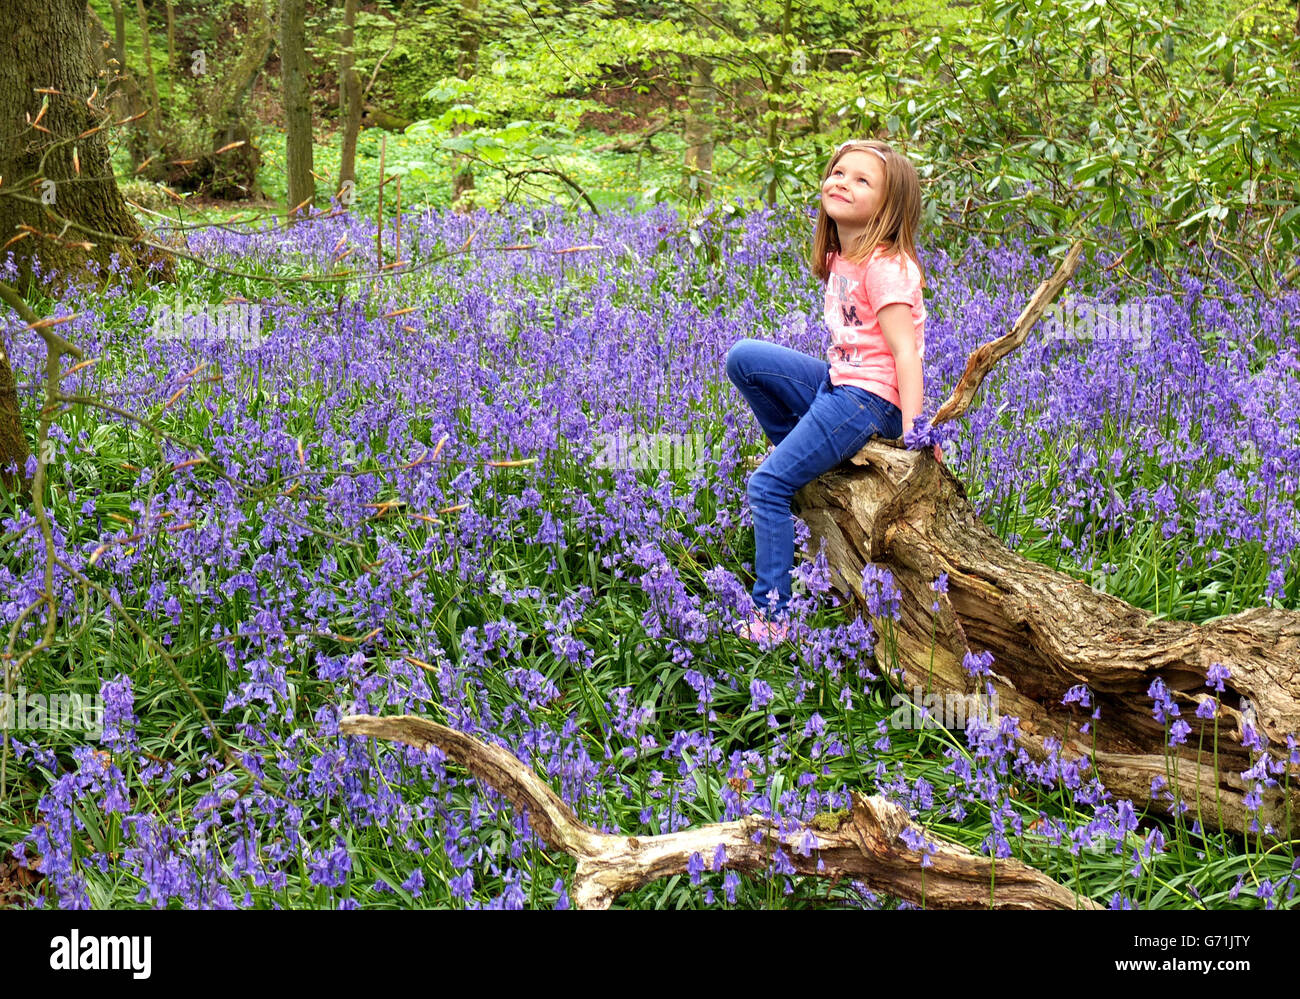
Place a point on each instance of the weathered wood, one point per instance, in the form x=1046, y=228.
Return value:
x=864, y=845
x=1048, y=632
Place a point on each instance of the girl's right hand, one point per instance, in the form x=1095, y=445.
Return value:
x=938, y=455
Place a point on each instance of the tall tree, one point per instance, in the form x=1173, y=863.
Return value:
x=55, y=162
x=775, y=88
x=234, y=173
x=59, y=203
x=700, y=100
x=119, y=34
x=171, y=51
x=349, y=94
x=466, y=64
x=121, y=92
x=297, y=103
x=151, y=78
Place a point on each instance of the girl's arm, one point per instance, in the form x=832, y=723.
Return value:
x=900, y=333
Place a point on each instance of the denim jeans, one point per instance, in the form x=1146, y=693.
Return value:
x=815, y=426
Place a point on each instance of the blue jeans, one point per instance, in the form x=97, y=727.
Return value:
x=815, y=426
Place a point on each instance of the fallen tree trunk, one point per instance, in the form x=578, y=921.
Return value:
x=1048, y=632
x=864, y=845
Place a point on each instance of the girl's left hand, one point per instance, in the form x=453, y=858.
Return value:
x=938, y=455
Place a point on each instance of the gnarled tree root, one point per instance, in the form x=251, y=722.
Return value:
x=863, y=845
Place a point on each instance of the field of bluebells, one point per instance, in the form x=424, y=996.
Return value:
x=395, y=502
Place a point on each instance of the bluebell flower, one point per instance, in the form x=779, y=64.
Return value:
x=1217, y=674
x=414, y=883
x=730, y=882
x=922, y=434
x=695, y=867
x=1078, y=694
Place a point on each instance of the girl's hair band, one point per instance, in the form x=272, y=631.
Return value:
x=872, y=148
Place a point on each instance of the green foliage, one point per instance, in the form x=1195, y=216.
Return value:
x=410, y=52
x=1042, y=118
x=1061, y=113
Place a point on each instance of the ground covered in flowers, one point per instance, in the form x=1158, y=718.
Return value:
x=399, y=500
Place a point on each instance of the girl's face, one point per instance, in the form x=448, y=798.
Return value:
x=854, y=190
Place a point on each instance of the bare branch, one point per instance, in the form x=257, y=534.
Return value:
x=982, y=360
x=865, y=845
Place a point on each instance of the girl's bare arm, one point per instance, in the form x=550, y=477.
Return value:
x=900, y=333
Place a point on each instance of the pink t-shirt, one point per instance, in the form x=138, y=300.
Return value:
x=855, y=293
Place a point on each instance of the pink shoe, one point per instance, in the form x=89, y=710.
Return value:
x=764, y=632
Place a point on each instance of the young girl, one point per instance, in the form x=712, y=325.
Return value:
x=820, y=412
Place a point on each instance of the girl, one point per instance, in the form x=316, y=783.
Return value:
x=818, y=413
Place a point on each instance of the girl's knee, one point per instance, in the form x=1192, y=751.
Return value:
x=735, y=358
x=763, y=485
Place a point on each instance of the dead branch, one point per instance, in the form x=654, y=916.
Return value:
x=982, y=360
x=864, y=845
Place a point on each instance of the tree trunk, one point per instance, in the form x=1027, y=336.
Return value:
x=121, y=89
x=48, y=46
x=778, y=82
x=233, y=174
x=463, y=178
x=1047, y=632
x=171, y=51
x=13, y=442
x=119, y=35
x=297, y=107
x=155, y=143
x=701, y=96
x=349, y=99
x=45, y=212
x=698, y=180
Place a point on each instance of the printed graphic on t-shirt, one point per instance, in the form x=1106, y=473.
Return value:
x=843, y=291
x=841, y=288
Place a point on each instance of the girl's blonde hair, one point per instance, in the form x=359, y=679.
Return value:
x=895, y=225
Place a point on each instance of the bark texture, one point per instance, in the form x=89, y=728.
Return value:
x=61, y=175
x=865, y=844
x=349, y=96
x=1048, y=632
x=297, y=107
x=13, y=442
